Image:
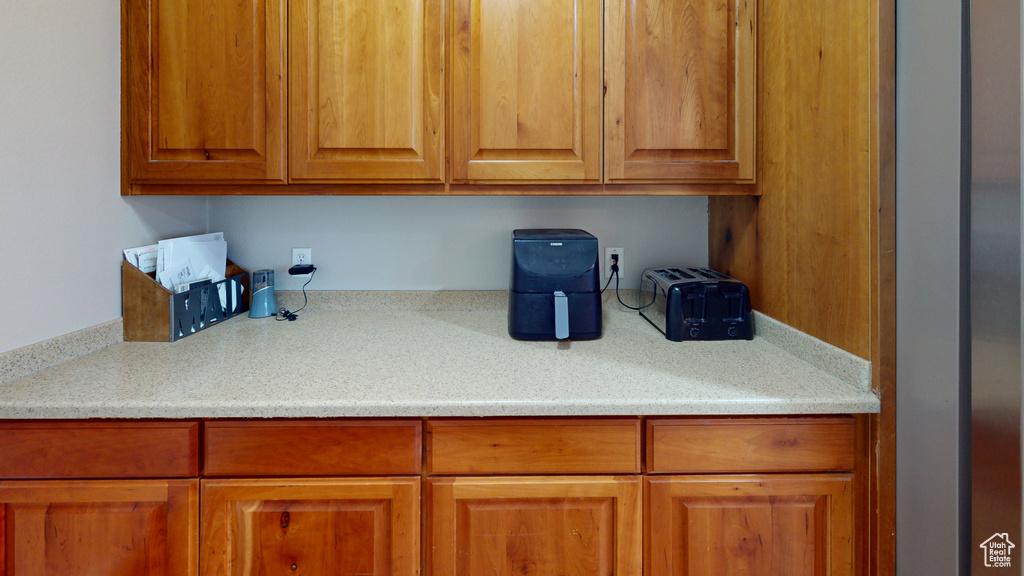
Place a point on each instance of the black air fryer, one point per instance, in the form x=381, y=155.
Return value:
x=554, y=290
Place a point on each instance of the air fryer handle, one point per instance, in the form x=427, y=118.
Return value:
x=561, y=316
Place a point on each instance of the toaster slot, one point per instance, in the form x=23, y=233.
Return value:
x=694, y=304
x=733, y=296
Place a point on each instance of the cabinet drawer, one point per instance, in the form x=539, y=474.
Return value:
x=562, y=446
x=99, y=450
x=748, y=445
x=312, y=448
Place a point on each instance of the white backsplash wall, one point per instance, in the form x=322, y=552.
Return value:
x=447, y=242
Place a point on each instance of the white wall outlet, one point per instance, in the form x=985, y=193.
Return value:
x=302, y=256
x=608, y=261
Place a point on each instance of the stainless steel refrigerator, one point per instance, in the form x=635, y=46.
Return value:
x=959, y=297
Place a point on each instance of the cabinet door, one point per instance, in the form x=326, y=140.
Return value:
x=681, y=90
x=205, y=85
x=792, y=525
x=365, y=91
x=127, y=527
x=574, y=526
x=330, y=526
x=526, y=90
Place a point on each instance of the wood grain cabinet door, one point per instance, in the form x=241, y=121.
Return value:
x=344, y=527
x=572, y=526
x=101, y=528
x=205, y=83
x=681, y=87
x=365, y=91
x=768, y=525
x=526, y=91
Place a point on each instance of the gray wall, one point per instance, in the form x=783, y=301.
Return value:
x=62, y=221
x=450, y=243
x=928, y=292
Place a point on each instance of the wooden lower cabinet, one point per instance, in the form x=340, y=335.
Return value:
x=513, y=526
x=503, y=497
x=338, y=526
x=758, y=525
x=99, y=527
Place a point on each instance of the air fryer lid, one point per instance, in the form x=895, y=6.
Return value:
x=546, y=260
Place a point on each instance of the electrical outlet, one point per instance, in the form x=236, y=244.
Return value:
x=608, y=260
x=302, y=257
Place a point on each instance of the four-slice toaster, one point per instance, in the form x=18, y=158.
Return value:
x=696, y=304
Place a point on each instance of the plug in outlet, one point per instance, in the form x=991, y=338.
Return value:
x=302, y=257
x=608, y=252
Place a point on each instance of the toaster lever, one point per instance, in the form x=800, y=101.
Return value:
x=561, y=315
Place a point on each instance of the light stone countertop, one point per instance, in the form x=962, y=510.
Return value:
x=370, y=354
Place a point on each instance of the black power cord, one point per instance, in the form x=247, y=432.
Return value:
x=290, y=316
x=615, y=275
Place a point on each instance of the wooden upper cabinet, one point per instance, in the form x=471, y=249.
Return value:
x=680, y=104
x=365, y=90
x=205, y=88
x=526, y=91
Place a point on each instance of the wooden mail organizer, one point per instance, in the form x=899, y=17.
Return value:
x=153, y=313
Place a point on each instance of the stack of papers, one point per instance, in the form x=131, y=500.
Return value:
x=179, y=263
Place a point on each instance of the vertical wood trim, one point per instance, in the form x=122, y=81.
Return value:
x=733, y=242
x=275, y=146
x=881, y=468
x=817, y=172
x=458, y=93
x=126, y=42
x=299, y=57
x=441, y=527
x=434, y=92
x=183, y=527
x=5, y=566
x=745, y=95
x=615, y=89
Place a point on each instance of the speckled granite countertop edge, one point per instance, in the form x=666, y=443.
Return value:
x=631, y=370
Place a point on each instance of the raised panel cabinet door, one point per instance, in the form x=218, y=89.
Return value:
x=681, y=96
x=572, y=526
x=768, y=525
x=526, y=90
x=366, y=527
x=99, y=527
x=365, y=91
x=205, y=83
